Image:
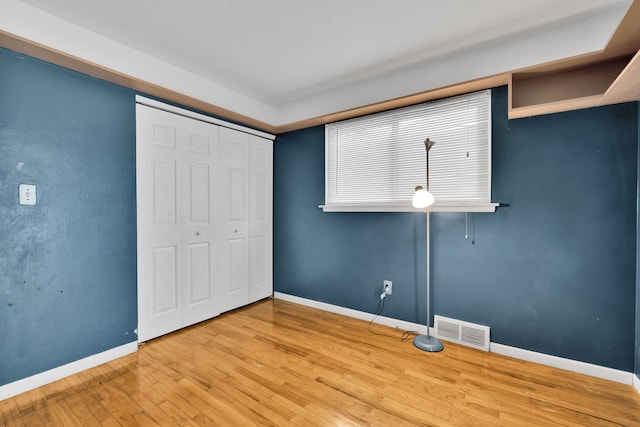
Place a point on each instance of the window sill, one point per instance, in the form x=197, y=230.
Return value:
x=438, y=207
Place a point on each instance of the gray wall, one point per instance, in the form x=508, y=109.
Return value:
x=553, y=270
x=68, y=264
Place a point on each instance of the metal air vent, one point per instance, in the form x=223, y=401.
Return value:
x=465, y=333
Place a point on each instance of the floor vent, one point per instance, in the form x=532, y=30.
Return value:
x=465, y=333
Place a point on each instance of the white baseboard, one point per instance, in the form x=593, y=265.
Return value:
x=518, y=353
x=46, y=377
x=590, y=369
x=381, y=320
x=636, y=383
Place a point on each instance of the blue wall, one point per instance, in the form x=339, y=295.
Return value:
x=68, y=264
x=552, y=271
x=637, y=361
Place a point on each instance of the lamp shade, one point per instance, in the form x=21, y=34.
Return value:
x=422, y=198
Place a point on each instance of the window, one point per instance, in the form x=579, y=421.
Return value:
x=374, y=163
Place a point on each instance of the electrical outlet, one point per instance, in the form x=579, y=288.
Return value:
x=387, y=285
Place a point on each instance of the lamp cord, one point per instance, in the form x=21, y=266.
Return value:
x=406, y=335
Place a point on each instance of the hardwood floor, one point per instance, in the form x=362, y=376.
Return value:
x=278, y=363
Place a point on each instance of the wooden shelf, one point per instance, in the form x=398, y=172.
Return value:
x=533, y=93
x=610, y=76
x=626, y=86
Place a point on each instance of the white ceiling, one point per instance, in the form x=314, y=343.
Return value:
x=302, y=58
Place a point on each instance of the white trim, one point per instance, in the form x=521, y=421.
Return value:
x=192, y=114
x=381, y=320
x=590, y=369
x=46, y=377
x=480, y=207
x=517, y=353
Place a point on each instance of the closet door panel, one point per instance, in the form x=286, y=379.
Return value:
x=165, y=280
x=238, y=272
x=199, y=149
x=159, y=237
x=234, y=218
x=237, y=200
x=197, y=280
x=261, y=219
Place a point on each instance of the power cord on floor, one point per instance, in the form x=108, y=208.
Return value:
x=406, y=335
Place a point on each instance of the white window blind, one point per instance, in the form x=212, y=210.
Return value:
x=374, y=163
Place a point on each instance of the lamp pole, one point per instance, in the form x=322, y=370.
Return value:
x=427, y=342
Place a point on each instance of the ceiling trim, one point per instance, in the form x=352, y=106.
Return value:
x=63, y=59
x=445, y=92
x=625, y=41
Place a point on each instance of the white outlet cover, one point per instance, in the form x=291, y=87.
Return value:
x=388, y=287
x=27, y=194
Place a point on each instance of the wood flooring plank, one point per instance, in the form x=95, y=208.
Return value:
x=65, y=414
x=79, y=405
x=280, y=364
x=9, y=412
x=206, y=401
x=111, y=422
x=99, y=412
x=144, y=420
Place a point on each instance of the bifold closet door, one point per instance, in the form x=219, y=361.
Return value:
x=175, y=198
x=245, y=229
x=261, y=218
x=233, y=212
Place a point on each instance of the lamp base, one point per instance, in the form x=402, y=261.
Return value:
x=428, y=343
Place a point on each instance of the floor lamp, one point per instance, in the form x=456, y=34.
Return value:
x=424, y=199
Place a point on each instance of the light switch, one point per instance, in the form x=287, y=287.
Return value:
x=27, y=194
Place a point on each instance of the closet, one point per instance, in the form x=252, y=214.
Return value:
x=204, y=212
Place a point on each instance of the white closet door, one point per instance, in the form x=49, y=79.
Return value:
x=233, y=228
x=176, y=255
x=159, y=235
x=261, y=219
x=200, y=250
